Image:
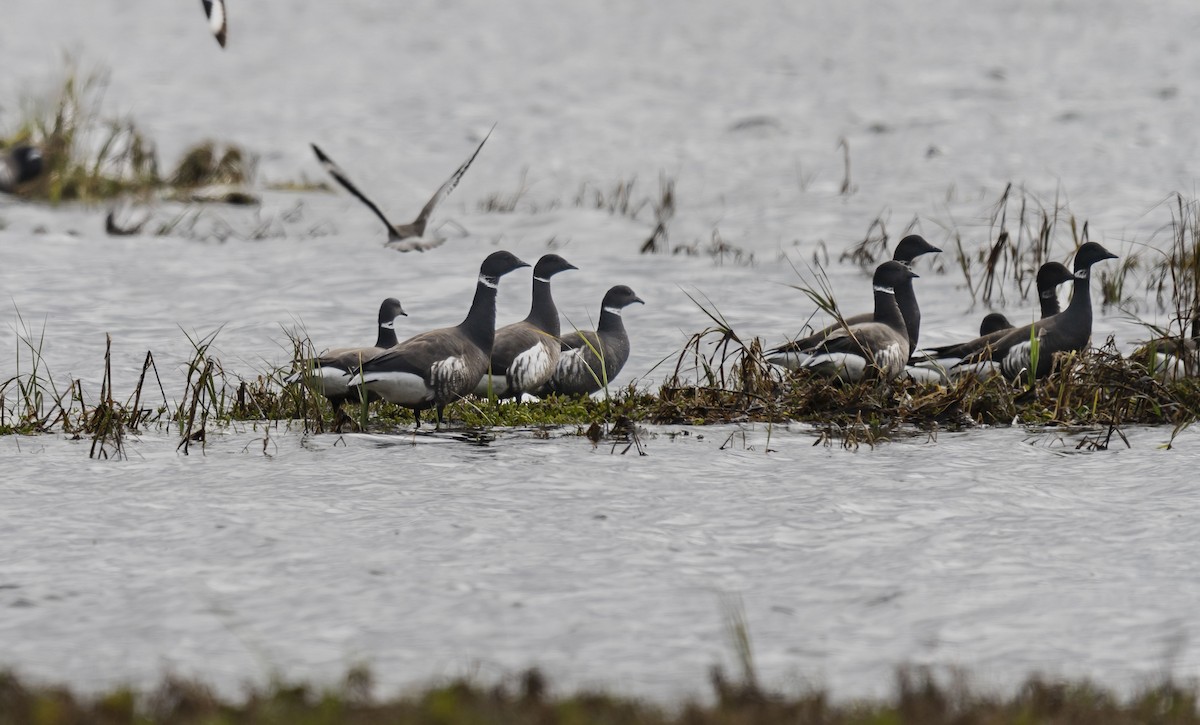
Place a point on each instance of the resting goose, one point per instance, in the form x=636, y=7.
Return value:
x=438, y=367
x=994, y=322
x=591, y=359
x=1171, y=357
x=934, y=364
x=525, y=353
x=1067, y=331
x=791, y=355
x=327, y=374
x=875, y=349
x=18, y=165
x=403, y=237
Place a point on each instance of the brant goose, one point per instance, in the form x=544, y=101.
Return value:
x=214, y=10
x=525, y=353
x=18, y=165
x=994, y=322
x=875, y=349
x=403, y=237
x=994, y=326
x=327, y=374
x=792, y=355
x=1067, y=331
x=438, y=367
x=1050, y=275
x=1171, y=357
x=590, y=359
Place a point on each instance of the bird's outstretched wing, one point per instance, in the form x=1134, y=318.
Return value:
x=447, y=187
x=340, y=177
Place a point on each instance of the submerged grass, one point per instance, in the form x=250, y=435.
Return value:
x=919, y=697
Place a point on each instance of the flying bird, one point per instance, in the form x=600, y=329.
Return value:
x=214, y=10
x=403, y=237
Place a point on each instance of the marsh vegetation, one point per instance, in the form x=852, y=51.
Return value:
x=91, y=154
x=918, y=698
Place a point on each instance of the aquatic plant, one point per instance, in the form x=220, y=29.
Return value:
x=1014, y=254
x=617, y=200
x=664, y=211
x=32, y=391
x=210, y=163
x=1174, y=278
x=507, y=203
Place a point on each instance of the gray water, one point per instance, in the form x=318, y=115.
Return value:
x=1001, y=551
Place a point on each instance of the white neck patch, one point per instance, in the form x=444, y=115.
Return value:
x=886, y=290
x=1081, y=274
x=541, y=279
x=613, y=311
x=486, y=281
x=388, y=325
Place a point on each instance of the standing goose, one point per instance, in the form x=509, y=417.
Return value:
x=438, y=367
x=214, y=10
x=403, y=237
x=525, y=353
x=18, y=165
x=995, y=325
x=791, y=355
x=591, y=359
x=1068, y=331
x=327, y=374
x=875, y=349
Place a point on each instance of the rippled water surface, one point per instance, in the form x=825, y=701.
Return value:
x=1003, y=551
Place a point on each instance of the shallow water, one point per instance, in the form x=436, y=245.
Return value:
x=998, y=550
x=430, y=557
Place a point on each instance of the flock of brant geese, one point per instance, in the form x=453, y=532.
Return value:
x=884, y=343
x=435, y=368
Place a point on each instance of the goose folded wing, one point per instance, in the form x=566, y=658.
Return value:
x=513, y=340
x=347, y=358
x=417, y=355
x=803, y=344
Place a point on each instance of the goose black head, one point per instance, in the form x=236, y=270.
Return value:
x=1050, y=275
x=29, y=162
x=890, y=275
x=1089, y=254
x=549, y=265
x=620, y=297
x=993, y=322
x=499, y=264
x=389, y=311
x=911, y=247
